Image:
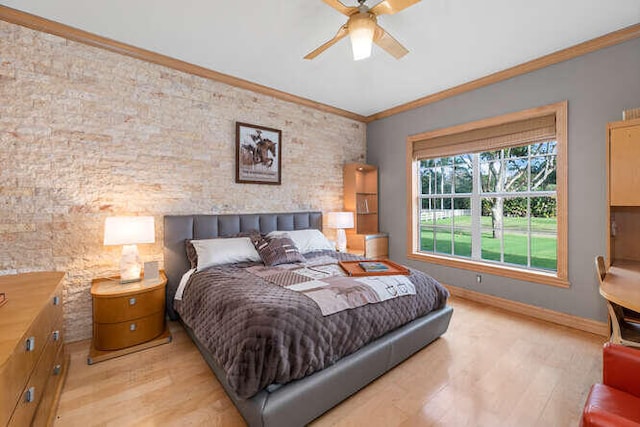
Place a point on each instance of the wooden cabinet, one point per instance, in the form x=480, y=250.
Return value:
x=624, y=170
x=620, y=284
x=127, y=317
x=361, y=197
x=32, y=360
x=623, y=150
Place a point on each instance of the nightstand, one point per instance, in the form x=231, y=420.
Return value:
x=375, y=245
x=127, y=317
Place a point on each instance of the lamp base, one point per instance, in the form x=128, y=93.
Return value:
x=341, y=242
x=130, y=264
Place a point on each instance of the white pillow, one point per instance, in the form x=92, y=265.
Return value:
x=224, y=251
x=306, y=240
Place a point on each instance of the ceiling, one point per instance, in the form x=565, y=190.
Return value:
x=451, y=42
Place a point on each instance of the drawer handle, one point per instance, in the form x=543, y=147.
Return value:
x=30, y=344
x=30, y=395
x=132, y=327
x=56, y=335
x=132, y=301
x=57, y=369
x=56, y=300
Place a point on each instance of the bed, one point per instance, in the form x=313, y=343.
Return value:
x=299, y=401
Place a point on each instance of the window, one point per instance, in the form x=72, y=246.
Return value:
x=490, y=196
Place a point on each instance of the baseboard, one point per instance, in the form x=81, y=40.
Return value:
x=580, y=323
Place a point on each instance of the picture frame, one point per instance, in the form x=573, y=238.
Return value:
x=258, y=154
x=151, y=270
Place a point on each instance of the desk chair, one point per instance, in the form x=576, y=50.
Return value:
x=622, y=331
x=616, y=401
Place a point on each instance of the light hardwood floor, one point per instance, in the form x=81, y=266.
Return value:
x=491, y=368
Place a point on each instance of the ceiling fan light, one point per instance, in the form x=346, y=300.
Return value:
x=361, y=30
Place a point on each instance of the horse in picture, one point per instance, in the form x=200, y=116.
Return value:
x=259, y=153
x=263, y=148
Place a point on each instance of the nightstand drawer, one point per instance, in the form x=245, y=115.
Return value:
x=114, y=336
x=128, y=307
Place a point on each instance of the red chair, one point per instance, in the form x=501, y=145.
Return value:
x=615, y=402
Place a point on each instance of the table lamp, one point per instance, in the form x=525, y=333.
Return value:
x=128, y=231
x=340, y=221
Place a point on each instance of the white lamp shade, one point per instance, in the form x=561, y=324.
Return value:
x=129, y=230
x=340, y=220
x=361, y=31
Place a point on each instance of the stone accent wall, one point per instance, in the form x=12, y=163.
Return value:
x=86, y=133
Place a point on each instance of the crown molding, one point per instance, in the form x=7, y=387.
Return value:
x=616, y=37
x=34, y=22
x=51, y=27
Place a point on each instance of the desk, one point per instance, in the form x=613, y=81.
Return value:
x=621, y=285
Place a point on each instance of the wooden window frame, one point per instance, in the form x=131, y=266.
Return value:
x=559, y=278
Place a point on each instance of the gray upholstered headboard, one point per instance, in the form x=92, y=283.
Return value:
x=178, y=228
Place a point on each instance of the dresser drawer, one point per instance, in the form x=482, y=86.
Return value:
x=128, y=307
x=114, y=336
x=34, y=389
x=44, y=414
x=39, y=335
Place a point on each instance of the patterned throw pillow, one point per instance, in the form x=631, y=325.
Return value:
x=276, y=250
x=192, y=255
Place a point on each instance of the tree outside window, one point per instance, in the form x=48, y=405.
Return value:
x=490, y=196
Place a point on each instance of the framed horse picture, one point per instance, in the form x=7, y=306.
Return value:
x=258, y=154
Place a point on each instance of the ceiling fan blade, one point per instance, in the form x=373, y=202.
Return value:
x=388, y=43
x=339, y=36
x=389, y=7
x=337, y=5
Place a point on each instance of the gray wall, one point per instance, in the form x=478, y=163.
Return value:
x=598, y=87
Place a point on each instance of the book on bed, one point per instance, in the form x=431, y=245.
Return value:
x=373, y=266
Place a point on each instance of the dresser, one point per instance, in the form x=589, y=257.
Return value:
x=127, y=317
x=32, y=360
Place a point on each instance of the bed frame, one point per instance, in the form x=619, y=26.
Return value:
x=298, y=402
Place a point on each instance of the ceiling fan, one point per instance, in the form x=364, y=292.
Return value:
x=363, y=28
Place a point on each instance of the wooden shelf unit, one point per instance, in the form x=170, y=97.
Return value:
x=620, y=286
x=623, y=200
x=361, y=198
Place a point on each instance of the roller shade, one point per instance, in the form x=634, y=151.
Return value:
x=522, y=132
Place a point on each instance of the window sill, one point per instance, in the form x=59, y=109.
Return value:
x=551, y=279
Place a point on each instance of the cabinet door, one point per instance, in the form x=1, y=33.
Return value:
x=624, y=168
